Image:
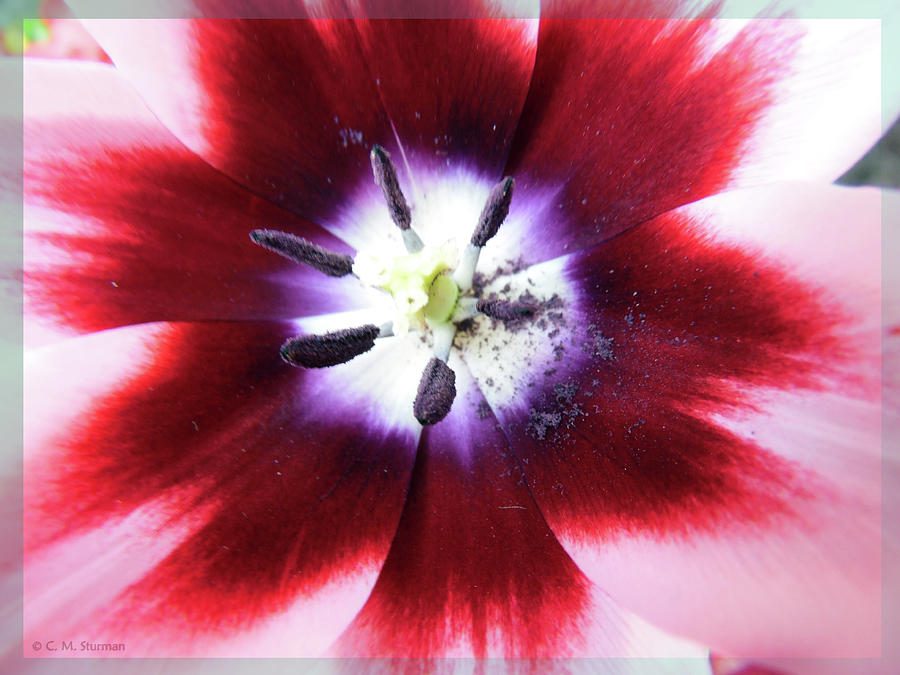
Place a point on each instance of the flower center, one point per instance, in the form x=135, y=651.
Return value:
x=431, y=287
x=417, y=282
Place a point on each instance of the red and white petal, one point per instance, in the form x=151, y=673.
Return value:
x=826, y=105
x=474, y=570
x=890, y=657
x=284, y=107
x=891, y=314
x=201, y=497
x=702, y=433
x=125, y=225
x=629, y=118
x=300, y=136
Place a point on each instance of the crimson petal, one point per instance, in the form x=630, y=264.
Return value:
x=474, y=570
x=280, y=484
x=293, y=118
x=126, y=225
x=628, y=118
x=285, y=107
x=454, y=89
x=472, y=560
x=717, y=403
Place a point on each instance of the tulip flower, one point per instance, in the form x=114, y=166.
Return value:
x=520, y=337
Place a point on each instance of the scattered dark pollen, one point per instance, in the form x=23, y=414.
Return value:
x=597, y=344
x=565, y=392
x=329, y=349
x=483, y=411
x=509, y=267
x=541, y=422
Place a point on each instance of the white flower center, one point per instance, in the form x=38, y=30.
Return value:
x=511, y=320
x=415, y=282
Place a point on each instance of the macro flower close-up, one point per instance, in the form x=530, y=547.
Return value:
x=487, y=331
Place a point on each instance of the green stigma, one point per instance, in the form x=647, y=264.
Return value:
x=441, y=299
x=416, y=283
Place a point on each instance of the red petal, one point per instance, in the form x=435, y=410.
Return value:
x=707, y=447
x=628, y=118
x=294, y=117
x=285, y=107
x=126, y=225
x=272, y=485
x=453, y=89
x=474, y=570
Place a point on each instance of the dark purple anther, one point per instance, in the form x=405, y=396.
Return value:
x=330, y=349
x=494, y=213
x=300, y=250
x=437, y=389
x=504, y=310
x=386, y=179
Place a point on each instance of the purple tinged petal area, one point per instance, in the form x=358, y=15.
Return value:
x=635, y=366
x=630, y=115
x=279, y=483
x=707, y=445
x=125, y=225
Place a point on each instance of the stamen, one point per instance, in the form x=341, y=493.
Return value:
x=466, y=308
x=496, y=208
x=303, y=251
x=386, y=178
x=465, y=271
x=443, y=334
x=504, y=310
x=330, y=349
x=495, y=211
x=437, y=389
